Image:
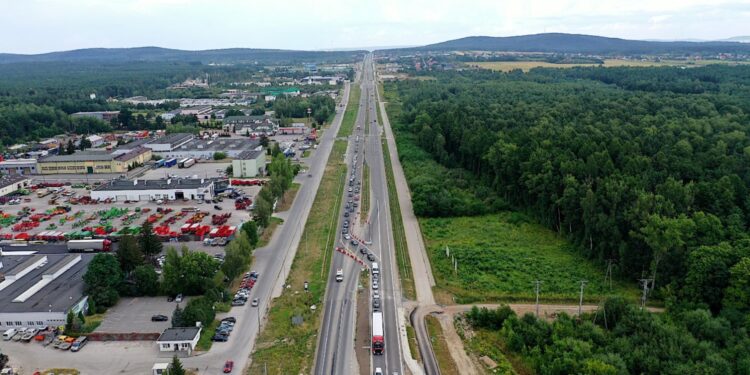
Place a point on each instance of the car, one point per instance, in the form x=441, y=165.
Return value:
x=238, y=302
x=255, y=302
x=216, y=206
x=378, y=371
x=370, y=257
x=375, y=284
x=159, y=318
x=354, y=243
x=170, y=298
x=346, y=236
x=220, y=337
x=376, y=303
x=178, y=298
x=362, y=250
x=346, y=214
x=375, y=294
x=345, y=231
x=230, y=319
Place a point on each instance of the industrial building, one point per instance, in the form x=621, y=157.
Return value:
x=249, y=164
x=18, y=166
x=169, y=142
x=88, y=162
x=12, y=183
x=206, y=148
x=38, y=291
x=101, y=115
x=166, y=189
x=250, y=125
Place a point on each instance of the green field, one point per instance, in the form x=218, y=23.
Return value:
x=507, y=66
x=499, y=257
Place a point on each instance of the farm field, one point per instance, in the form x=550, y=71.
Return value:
x=506, y=66
x=501, y=255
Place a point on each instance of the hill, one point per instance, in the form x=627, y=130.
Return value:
x=166, y=54
x=577, y=43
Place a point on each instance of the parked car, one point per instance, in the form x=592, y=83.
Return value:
x=228, y=366
x=159, y=318
x=370, y=257
x=219, y=337
x=216, y=206
x=178, y=298
x=230, y=319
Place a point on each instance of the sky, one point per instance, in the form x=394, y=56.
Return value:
x=36, y=26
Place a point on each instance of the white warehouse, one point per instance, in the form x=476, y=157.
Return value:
x=145, y=190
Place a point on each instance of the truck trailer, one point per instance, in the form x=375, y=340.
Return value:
x=378, y=341
x=77, y=246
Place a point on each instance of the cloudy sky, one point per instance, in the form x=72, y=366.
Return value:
x=33, y=26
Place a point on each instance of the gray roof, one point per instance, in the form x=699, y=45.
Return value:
x=179, y=334
x=251, y=154
x=173, y=183
x=172, y=139
x=219, y=144
x=58, y=296
x=248, y=119
x=11, y=179
x=134, y=144
x=79, y=156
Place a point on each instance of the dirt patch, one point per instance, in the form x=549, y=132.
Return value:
x=456, y=346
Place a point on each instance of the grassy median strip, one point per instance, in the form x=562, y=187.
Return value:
x=350, y=116
x=399, y=237
x=284, y=348
x=411, y=335
x=440, y=347
x=286, y=201
x=365, y=193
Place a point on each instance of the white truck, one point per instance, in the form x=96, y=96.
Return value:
x=76, y=246
x=339, y=275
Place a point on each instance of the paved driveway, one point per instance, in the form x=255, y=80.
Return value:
x=134, y=315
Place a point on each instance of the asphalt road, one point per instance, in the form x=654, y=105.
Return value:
x=335, y=348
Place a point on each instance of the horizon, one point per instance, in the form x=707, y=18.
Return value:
x=197, y=25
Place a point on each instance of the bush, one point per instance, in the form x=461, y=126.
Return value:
x=220, y=155
x=199, y=309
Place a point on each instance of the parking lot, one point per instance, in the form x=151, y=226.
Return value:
x=202, y=169
x=134, y=315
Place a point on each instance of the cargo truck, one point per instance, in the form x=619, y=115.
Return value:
x=378, y=342
x=77, y=246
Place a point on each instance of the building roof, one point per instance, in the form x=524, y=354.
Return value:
x=250, y=154
x=132, y=154
x=134, y=144
x=219, y=144
x=57, y=295
x=179, y=334
x=173, y=140
x=10, y=180
x=11, y=162
x=161, y=184
x=79, y=156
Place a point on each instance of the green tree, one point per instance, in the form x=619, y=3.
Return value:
x=177, y=317
x=737, y=294
x=220, y=155
x=250, y=228
x=70, y=149
x=129, y=254
x=102, y=279
x=151, y=245
x=198, y=309
x=262, y=211
x=146, y=280
x=235, y=260
x=70, y=321
x=176, y=367
x=81, y=318
x=190, y=273
x=84, y=143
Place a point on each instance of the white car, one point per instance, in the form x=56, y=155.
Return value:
x=375, y=284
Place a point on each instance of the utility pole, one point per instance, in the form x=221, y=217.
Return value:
x=645, y=286
x=608, y=275
x=536, y=289
x=580, y=299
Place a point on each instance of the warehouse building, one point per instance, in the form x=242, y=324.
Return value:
x=12, y=183
x=18, y=166
x=37, y=291
x=249, y=164
x=248, y=124
x=169, y=142
x=88, y=162
x=147, y=190
x=206, y=148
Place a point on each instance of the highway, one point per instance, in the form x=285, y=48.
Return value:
x=335, y=354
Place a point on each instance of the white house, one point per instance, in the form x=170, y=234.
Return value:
x=95, y=140
x=182, y=339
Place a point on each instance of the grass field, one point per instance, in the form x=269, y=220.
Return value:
x=283, y=347
x=440, y=347
x=288, y=198
x=501, y=255
x=399, y=237
x=507, y=66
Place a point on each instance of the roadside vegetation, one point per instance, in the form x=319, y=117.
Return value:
x=352, y=108
x=399, y=236
x=440, y=347
x=284, y=348
x=288, y=198
x=507, y=66
x=499, y=257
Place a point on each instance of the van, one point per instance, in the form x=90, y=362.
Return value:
x=375, y=268
x=7, y=335
x=78, y=344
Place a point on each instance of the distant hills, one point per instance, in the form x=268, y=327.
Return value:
x=165, y=54
x=588, y=44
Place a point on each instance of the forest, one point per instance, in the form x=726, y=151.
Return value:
x=644, y=166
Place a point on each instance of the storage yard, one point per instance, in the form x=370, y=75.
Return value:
x=55, y=212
